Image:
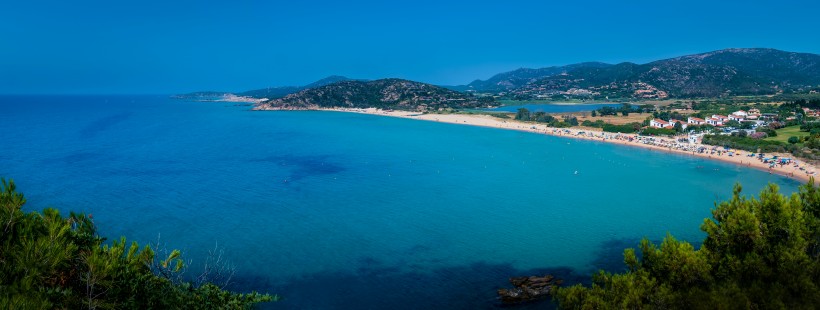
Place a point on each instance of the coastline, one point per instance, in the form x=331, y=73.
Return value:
x=791, y=170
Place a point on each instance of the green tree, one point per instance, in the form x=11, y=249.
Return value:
x=594, y=114
x=794, y=140
x=733, y=123
x=759, y=253
x=48, y=261
x=522, y=115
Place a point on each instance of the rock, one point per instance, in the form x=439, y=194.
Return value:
x=528, y=289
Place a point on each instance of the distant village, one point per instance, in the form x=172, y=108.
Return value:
x=753, y=115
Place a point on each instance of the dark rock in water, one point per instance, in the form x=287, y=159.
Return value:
x=528, y=289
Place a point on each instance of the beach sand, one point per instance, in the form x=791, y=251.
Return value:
x=791, y=170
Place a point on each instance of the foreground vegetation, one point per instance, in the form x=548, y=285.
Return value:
x=48, y=261
x=758, y=254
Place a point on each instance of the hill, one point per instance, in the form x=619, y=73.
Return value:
x=520, y=77
x=738, y=71
x=263, y=93
x=279, y=92
x=385, y=93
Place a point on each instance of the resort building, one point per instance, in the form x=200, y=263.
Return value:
x=738, y=116
x=659, y=123
x=753, y=114
x=683, y=124
x=714, y=121
x=696, y=121
x=717, y=120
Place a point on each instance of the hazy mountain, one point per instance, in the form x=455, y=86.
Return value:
x=737, y=71
x=269, y=92
x=750, y=71
x=520, y=77
x=279, y=92
x=386, y=93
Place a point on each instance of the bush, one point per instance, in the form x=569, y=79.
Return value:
x=758, y=135
x=658, y=132
x=794, y=140
x=759, y=253
x=626, y=128
x=769, y=132
x=48, y=261
x=744, y=143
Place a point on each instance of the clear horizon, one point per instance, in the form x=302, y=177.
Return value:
x=152, y=47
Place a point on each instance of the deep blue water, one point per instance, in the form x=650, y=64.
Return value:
x=555, y=108
x=339, y=210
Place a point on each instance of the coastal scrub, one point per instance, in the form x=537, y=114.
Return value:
x=759, y=253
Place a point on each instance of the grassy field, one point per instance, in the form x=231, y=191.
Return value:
x=612, y=119
x=784, y=133
x=506, y=102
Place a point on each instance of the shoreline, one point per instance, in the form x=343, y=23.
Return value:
x=669, y=145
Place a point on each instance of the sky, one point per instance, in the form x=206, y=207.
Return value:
x=166, y=47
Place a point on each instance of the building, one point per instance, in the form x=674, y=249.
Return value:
x=659, y=123
x=717, y=120
x=738, y=116
x=683, y=124
x=714, y=121
x=696, y=121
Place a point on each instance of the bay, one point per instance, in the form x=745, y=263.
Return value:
x=338, y=210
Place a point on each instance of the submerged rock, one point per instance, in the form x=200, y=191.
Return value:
x=528, y=289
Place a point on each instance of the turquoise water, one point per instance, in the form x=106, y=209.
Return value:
x=339, y=210
x=555, y=108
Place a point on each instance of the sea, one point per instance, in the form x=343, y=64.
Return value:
x=554, y=107
x=334, y=210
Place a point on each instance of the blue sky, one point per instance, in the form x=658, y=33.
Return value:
x=163, y=47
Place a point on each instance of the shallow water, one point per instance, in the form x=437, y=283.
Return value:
x=555, y=108
x=340, y=210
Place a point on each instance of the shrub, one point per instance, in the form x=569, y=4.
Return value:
x=49, y=261
x=758, y=135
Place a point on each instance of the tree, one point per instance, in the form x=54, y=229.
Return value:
x=794, y=140
x=594, y=114
x=522, y=115
x=678, y=127
x=758, y=253
x=48, y=261
x=733, y=123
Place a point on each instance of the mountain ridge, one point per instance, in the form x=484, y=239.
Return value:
x=733, y=71
x=726, y=72
x=262, y=93
x=391, y=93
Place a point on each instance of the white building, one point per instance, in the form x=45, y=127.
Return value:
x=717, y=120
x=683, y=124
x=696, y=121
x=714, y=121
x=738, y=116
x=659, y=123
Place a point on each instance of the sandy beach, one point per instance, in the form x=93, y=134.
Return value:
x=797, y=169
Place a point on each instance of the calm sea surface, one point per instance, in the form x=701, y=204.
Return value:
x=555, y=108
x=339, y=210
